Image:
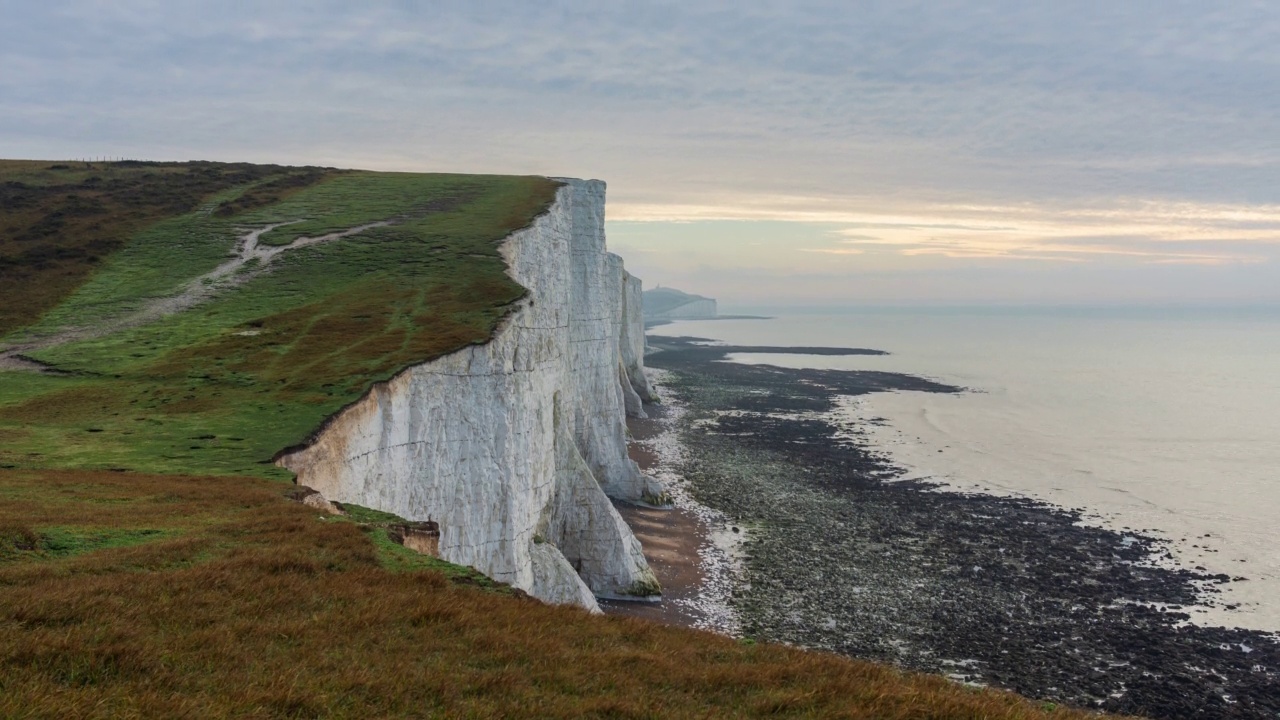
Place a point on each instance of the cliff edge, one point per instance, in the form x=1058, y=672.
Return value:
x=514, y=447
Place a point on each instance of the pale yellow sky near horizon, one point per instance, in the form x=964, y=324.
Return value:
x=1151, y=231
x=740, y=249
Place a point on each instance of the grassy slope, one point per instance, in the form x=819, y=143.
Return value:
x=191, y=587
x=61, y=220
x=221, y=387
x=211, y=597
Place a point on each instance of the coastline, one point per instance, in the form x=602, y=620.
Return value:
x=691, y=548
x=847, y=556
x=670, y=538
x=908, y=428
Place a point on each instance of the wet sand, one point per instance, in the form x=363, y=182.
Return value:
x=670, y=538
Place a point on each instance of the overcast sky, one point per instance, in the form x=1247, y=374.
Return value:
x=762, y=152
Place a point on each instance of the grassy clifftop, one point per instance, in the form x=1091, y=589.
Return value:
x=164, y=330
x=155, y=362
x=61, y=220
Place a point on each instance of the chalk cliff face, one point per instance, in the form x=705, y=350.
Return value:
x=636, y=388
x=512, y=446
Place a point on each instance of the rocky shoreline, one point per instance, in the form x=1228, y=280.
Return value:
x=990, y=590
x=684, y=544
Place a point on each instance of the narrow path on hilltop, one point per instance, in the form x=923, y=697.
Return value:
x=235, y=271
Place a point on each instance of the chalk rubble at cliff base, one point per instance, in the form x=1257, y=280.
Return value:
x=514, y=447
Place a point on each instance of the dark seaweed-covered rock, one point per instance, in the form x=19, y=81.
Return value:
x=1003, y=591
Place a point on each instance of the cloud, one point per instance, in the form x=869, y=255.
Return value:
x=835, y=251
x=937, y=129
x=940, y=97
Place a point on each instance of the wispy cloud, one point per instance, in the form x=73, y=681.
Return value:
x=942, y=128
x=834, y=251
x=674, y=100
x=1127, y=231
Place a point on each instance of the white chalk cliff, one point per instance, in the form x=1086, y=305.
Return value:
x=515, y=446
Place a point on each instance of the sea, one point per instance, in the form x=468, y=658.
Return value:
x=1156, y=420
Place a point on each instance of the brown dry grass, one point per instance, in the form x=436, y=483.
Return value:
x=333, y=341
x=251, y=606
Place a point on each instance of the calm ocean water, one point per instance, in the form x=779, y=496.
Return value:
x=1164, y=421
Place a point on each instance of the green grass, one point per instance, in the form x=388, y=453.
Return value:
x=60, y=221
x=397, y=558
x=369, y=516
x=60, y=542
x=394, y=557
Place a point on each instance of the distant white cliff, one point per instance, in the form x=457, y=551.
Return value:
x=671, y=304
x=514, y=447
